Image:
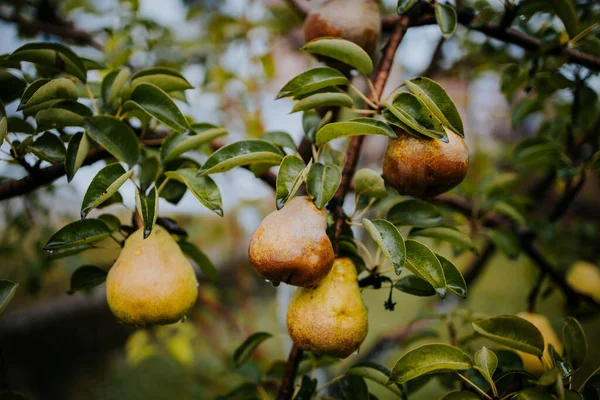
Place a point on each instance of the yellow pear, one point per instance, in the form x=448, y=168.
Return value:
x=330, y=319
x=584, y=277
x=358, y=21
x=531, y=363
x=291, y=245
x=423, y=167
x=151, y=282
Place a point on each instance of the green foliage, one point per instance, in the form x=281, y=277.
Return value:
x=128, y=112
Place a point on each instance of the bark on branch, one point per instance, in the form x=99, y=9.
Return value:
x=505, y=34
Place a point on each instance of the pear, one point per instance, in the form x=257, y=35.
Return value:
x=423, y=167
x=151, y=282
x=584, y=277
x=291, y=245
x=330, y=319
x=358, y=21
x=531, y=363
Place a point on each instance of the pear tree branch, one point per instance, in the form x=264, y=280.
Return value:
x=499, y=32
x=352, y=155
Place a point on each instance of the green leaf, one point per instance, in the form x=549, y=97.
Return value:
x=452, y=236
x=77, y=234
x=311, y=122
x=506, y=241
x=17, y=125
x=412, y=284
x=331, y=156
x=12, y=86
x=105, y=184
x=86, y=277
x=533, y=394
x=116, y=88
x=203, y=187
x=48, y=93
x=404, y=6
x=323, y=100
x=421, y=261
x=63, y=114
x=504, y=208
x=105, y=87
x=240, y=153
x=308, y=387
x=407, y=110
x=245, y=350
x=113, y=223
x=342, y=50
x=312, y=80
x=322, y=183
x=438, y=102
x=201, y=260
x=427, y=359
x=31, y=89
x=576, y=346
x=446, y=18
x=3, y=128
x=292, y=173
x=115, y=136
x=157, y=104
x=513, y=332
x=376, y=373
x=369, y=183
x=177, y=143
x=51, y=55
x=455, y=282
x=464, y=395
x=564, y=10
x=354, y=127
x=147, y=207
x=77, y=151
x=49, y=147
x=486, y=362
x=524, y=108
x=281, y=139
x=149, y=171
x=167, y=79
x=7, y=292
x=354, y=388
x=389, y=240
x=91, y=65
x=415, y=212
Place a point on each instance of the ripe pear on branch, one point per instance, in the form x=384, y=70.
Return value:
x=424, y=167
x=291, y=245
x=358, y=21
x=331, y=318
x=152, y=282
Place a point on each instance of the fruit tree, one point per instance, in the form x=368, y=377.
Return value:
x=268, y=199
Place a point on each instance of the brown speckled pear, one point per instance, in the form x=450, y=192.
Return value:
x=422, y=167
x=531, y=363
x=330, y=319
x=151, y=282
x=358, y=21
x=291, y=245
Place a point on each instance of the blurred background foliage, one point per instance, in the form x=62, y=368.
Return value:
x=237, y=54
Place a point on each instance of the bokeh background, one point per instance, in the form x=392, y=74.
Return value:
x=237, y=54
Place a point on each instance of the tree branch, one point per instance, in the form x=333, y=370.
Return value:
x=43, y=177
x=352, y=156
x=508, y=35
x=65, y=32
